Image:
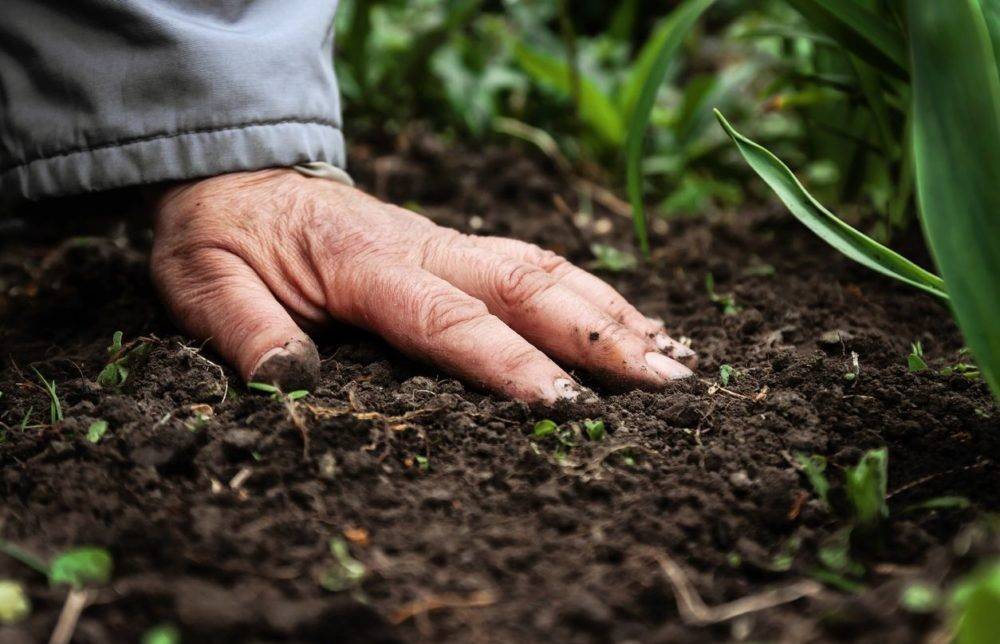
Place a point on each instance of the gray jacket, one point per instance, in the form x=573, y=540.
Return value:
x=100, y=94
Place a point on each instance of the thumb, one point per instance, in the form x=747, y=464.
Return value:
x=218, y=297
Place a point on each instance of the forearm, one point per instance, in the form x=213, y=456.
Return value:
x=100, y=94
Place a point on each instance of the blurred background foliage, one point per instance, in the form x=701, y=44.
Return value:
x=564, y=76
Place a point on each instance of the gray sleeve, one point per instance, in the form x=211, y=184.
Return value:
x=100, y=94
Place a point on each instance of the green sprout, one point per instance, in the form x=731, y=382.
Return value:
x=97, y=430
x=162, y=634
x=77, y=567
x=915, y=361
x=727, y=372
x=855, y=371
x=814, y=467
x=55, y=408
x=595, y=429
x=423, y=463
x=726, y=303
x=346, y=572
x=866, y=484
x=121, y=359
x=277, y=394
x=544, y=428
x=920, y=598
x=976, y=605
x=611, y=259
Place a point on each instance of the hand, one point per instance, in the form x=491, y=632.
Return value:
x=247, y=260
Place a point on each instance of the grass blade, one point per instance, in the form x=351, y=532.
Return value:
x=596, y=109
x=861, y=31
x=675, y=29
x=956, y=150
x=846, y=239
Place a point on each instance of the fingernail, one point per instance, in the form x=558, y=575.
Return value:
x=568, y=390
x=667, y=368
x=672, y=347
x=292, y=366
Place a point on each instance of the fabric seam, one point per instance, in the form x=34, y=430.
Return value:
x=167, y=135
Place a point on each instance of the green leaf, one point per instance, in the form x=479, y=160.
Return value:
x=595, y=429
x=726, y=372
x=297, y=394
x=956, y=139
x=940, y=503
x=544, y=428
x=596, y=109
x=866, y=484
x=612, y=259
x=346, y=571
x=676, y=27
x=814, y=467
x=14, y=602
x=977, y=606
x=846, y=239
x=97, y=430
x=263, y=386
x=81, y=566
x=835, y=554
x=859, y=30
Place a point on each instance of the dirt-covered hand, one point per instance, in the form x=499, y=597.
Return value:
x=248, y=260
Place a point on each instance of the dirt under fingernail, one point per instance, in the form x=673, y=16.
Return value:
x=293, y=366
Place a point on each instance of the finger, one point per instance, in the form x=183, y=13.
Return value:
x=595, y=290
x=550, y=316
x=428, y=318
x=218, y=297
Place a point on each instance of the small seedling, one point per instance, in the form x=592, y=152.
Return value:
x=55, y=409
x=595, y=429
x=915, y=361
x=920, y=598
x=544, y=428
x=76, y=567
x=423, y=463
x=14, y=602
x=726, y=303
x=611, y=259
x=865, y=484
x=162, y=634
x=814, y=467
x=97, y=430
x=27, y=419
x=121, y=359
x=726, y=373
x=346, y=572
x=965, y=369
x=855, y=371
x=276, y=394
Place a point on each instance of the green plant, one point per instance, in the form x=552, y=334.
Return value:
x=976, y=606
x=726, y=303
x=609, y=258
x=277, y=394
x=346, y=572
x=544, y=428
x=934, y=67
x=595, y=429
x=55, y=408
x=121, y=359
x=76, y=567
x=97, y=430
x=865, y=484
x=814, y=467
x=162, y=634
x=915, y=361
x=727, y=372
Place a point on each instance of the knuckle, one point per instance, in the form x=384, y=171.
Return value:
x=612, y=333
x=549, y=261
x=444, y=312
x=518, y=284
x=517, y=358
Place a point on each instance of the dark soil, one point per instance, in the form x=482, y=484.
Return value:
x=221, y=527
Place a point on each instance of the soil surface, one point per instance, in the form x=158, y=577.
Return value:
x=218, y=505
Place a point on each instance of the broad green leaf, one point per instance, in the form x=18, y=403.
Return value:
x=544, y=428
x=865, y=484
x=676, y=27
x=846, y=239
x=860, y=31
x=596, y=109
x=977, y=606
x=956, y=150
x=81, y=566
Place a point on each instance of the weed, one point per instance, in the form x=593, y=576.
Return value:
x=14, y=602
x=97, y=430
x=726, y=303
x=915, y=361
x=346, y=572
x=611, y=259
x=121, y=360
x=55, y=408
x=276, y=394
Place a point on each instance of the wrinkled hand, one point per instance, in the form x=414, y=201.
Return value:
x=249, y=259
